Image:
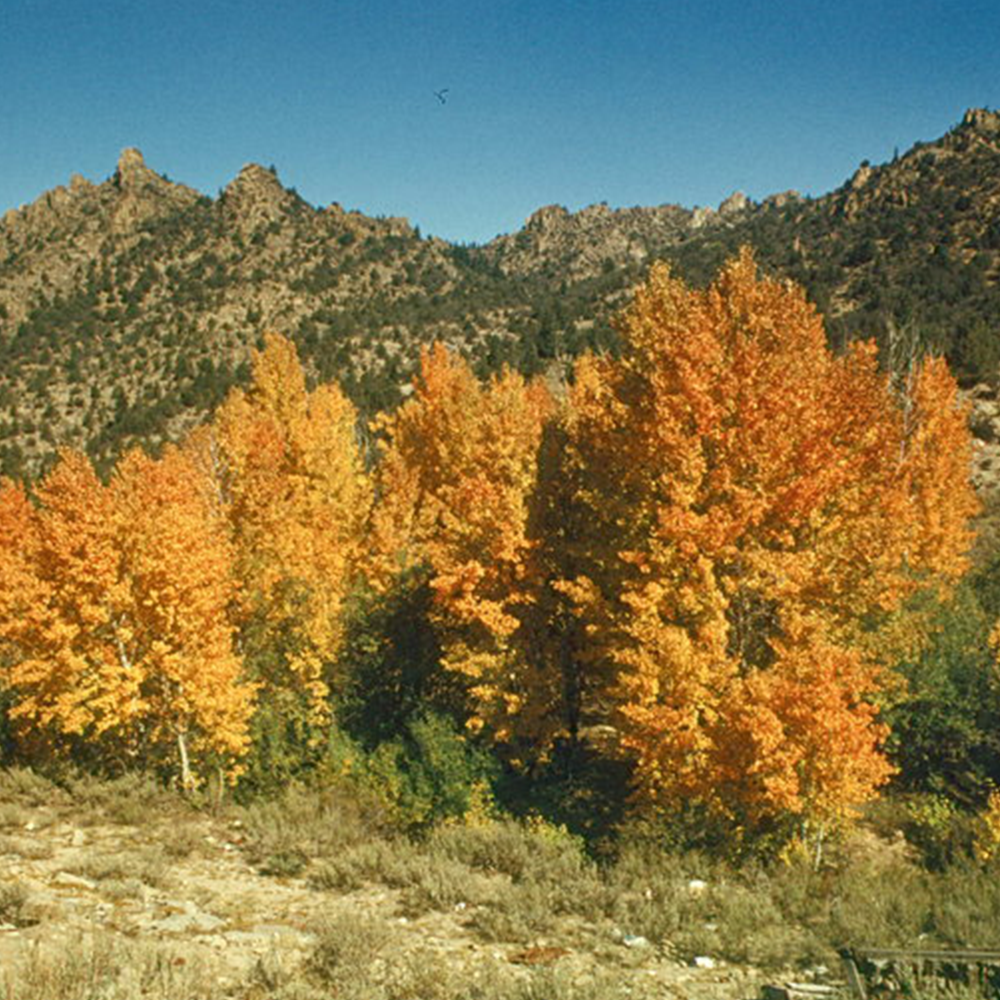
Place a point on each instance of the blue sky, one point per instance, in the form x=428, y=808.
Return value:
x=549, y=101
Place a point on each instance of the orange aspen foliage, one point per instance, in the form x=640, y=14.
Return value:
x=749, y=507
x=112, y=614
x=937, y=454
x=455, y=481
x=290, y=484
x=800, y=738
x=22, y=593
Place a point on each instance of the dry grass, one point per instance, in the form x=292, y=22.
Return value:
x=28, y=789
x=428, y=881
x=15, y=905
x=502, y=885
x=126, y=801
x=349, y=950
x=363, y=960
x=146, y=865
x=303, y=825
x=88, y=968
x=26, y=847
x=182, y=839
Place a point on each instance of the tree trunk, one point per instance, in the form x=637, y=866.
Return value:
x=187, y=783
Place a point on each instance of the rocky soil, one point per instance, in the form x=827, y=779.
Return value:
x=185, y=885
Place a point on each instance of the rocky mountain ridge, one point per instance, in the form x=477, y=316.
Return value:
x=128, y=307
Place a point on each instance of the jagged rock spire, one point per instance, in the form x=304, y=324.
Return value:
x=132, y=170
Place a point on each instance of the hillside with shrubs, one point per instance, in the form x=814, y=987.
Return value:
x=129, y=307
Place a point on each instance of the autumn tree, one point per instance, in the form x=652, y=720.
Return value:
x=455, y=482
x=113, y=616
x=178, y=564
x=746, y=516
x=290, y=485
x=59, y=590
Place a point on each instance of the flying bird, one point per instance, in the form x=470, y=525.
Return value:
x=439, y=94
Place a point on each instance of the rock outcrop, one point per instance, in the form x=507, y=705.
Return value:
x=255, y=198
x=144, y=194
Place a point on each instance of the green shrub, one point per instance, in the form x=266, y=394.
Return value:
x=942, y=730
x=389, y=672
x=429, y=774
x=578, y=788
x=284, y=746
x=940, y=830
x=399, y=712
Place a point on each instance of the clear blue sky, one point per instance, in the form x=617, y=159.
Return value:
x=631, y=102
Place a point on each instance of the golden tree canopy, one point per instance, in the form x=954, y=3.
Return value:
x=290, y=484
x=113, y=614
x=455, y=483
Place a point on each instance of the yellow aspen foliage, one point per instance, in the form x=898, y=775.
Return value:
x=987, y=832
x=63, y=606
x=113, y=605
x=937, y=455
x=178, y=561
x=454, y=483
x=749, y=508
x=290, y=484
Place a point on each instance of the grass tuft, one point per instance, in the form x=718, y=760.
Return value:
x=306, y=824
x=14, y=905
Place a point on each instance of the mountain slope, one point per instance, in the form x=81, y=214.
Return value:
x=127, y=308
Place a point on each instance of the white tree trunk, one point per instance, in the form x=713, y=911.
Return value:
x=187, y=783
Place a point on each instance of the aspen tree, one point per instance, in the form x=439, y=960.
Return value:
x=751, y=510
